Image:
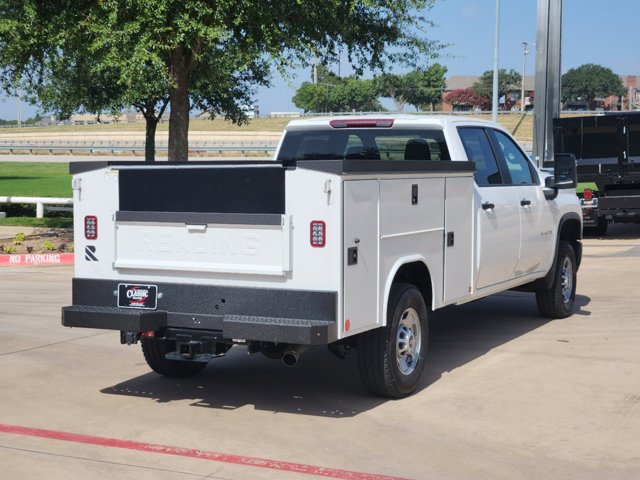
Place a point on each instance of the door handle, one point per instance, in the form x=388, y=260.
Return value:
x=488, y=206
x=525, y=203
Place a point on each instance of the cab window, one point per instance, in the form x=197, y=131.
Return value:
x=478, y=149
x=517, y=163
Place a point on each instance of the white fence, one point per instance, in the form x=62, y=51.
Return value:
x=40, y=203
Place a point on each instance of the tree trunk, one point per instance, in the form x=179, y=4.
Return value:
x=181, y=66
x=399, y=102
x=150, y=139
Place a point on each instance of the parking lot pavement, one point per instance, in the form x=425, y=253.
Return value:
x=507, y=395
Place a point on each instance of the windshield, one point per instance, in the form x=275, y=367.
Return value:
x=363, y=144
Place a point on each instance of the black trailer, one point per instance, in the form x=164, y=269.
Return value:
x=607, y=148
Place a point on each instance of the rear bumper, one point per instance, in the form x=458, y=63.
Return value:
x=113, y=318
x=621, y=209
x=268, y=315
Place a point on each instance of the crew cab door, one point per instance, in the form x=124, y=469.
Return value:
x=536, y=221
x=497, y=212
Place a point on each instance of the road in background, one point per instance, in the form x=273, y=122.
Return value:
x=506, y=394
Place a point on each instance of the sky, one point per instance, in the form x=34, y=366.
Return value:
x=594, y=31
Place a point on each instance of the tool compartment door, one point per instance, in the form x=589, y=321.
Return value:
x=360, y=256
x=458, y=249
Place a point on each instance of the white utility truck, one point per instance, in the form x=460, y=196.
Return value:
x=348, y=238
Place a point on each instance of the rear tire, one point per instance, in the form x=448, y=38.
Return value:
x=557, y=301
x=391, y=359
x=155, y=349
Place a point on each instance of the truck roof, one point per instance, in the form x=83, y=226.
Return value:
x=399, y=121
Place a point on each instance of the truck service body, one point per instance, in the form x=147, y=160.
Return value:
x=348, y=238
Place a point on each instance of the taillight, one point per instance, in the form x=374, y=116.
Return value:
x=587, y=194
x=91, y=227
x=318, y=233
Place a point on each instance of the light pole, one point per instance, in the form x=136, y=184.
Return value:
x=18, y=113
x=494, y=106
x=525, y=52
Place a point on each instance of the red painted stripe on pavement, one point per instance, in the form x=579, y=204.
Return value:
x=32, y=259
x=201, y=454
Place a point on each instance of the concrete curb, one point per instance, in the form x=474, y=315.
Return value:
x=35, y=259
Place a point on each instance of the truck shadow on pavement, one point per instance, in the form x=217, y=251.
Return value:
x=617, y=231
x=323, y=385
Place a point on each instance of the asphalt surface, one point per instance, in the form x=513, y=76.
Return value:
x=506, y=395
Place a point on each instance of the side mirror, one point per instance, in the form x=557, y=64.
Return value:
x=565, y=171
x=550, y=189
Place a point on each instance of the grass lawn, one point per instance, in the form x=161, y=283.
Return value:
x=24, y=179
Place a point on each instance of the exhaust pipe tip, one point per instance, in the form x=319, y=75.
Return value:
x=290, y=359
x=292, y=354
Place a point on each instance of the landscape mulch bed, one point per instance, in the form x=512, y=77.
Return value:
x=59, y=240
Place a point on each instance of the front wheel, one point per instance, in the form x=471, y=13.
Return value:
x=155, y=349
x=391, y=359
x=557, y=301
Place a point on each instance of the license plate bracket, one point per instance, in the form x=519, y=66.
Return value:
x=137, y=296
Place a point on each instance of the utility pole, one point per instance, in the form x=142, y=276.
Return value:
x=18, y=117
x=525, y=52
x=494, y=106
x=547, y=84
x=315, y=69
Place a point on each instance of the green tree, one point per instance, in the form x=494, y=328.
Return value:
x=426, y=86
x=354, y=94
x=418, y=87
x=590, y=82
x=341, y=95
x=395, y=87
x=83, y=85
x=335, y=94
x=508, y=82
x=196, y=51
x=314, y=97
x=101, y=56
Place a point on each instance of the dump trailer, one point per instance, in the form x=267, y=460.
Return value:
x=607, y=149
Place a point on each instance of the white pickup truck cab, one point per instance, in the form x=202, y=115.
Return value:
x=357, y=229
